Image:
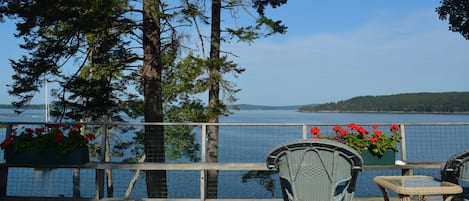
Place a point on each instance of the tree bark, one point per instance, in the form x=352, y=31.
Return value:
x=214, y=95
x=153, y=108
x=134, y=179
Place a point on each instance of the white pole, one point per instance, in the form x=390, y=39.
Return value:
x=46, y=93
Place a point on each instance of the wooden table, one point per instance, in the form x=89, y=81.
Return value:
x=405, y=186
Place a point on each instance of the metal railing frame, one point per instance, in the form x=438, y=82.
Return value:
x=202, y=166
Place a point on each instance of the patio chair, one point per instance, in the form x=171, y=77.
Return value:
x=318, y=170
x=456, y=170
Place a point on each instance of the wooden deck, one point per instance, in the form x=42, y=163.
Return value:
x=430, y=198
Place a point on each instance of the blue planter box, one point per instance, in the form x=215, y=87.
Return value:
x=388, y=158
x=47, y=157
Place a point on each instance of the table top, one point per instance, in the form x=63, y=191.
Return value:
x=416, y=185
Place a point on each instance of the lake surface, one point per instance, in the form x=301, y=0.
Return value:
x=291, y=116
x=243, y=145
x=287, y=116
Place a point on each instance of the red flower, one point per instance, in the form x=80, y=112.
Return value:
x=59, y=133
x=337, y=128
x=58, y=138
x=39, y=130
x=359, y=138
x=61, y=136
x=361, y=130
x=29, y=131
x=377, y=133
x=343, y=132
x=352, y=126
x=78, y=125
x=90, y=136
x=5, y=143
x=74, y=132
x=314, y=130
x=394, y=128
x=374, y=139
x=53, y=125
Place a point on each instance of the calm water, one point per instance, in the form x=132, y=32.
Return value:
x=281, y=116
x=238, y=145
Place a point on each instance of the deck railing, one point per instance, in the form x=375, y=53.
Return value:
x=430, y=139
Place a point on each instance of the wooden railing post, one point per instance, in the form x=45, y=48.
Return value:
x=76, y=183
x=203, y=158
x=404, y=171
x=305, y=134
x=100, y=172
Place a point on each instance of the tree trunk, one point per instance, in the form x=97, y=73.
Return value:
x=153, y=108
x=214, y=95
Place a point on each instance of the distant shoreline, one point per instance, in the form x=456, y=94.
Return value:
x=385, y=112
x=248, y=107
x=294, y=107
x=426, y=103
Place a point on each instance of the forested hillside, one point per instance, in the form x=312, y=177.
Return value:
x=265, y=107
x=32, y=106
x=412, y=102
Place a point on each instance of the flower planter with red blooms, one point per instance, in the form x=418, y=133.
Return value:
x=388, y=158
x=377, y=148
x=35, y=156
x=52, y=144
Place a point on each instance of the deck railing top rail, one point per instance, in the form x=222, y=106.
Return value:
x=236, y=123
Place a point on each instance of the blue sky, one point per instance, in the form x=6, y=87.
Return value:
x=335, y=50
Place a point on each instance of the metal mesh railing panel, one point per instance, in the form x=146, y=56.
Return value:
x=252, y=143
x=42, y=182
x=429, y=143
